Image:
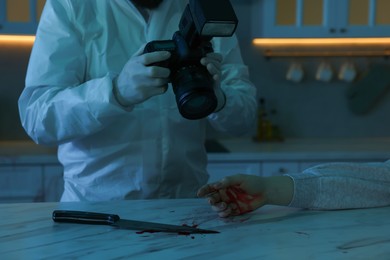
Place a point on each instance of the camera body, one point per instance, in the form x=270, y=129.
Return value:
x=192, y=83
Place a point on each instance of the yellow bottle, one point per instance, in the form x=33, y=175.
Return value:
x=264, y=126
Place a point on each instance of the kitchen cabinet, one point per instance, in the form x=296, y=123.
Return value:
x=30, y=183
x=291, y=155
x=21, y=183
x=303, y=165
x=53, y=182
x=321, y=18
x=237, y=2
x=29, y=173
x=219, y=170
x=20, y=16
x=277, y=168
x=261, y=167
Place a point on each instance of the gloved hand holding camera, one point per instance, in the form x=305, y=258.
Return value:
x=194, y=69
x=212, y=61
x=138, y=81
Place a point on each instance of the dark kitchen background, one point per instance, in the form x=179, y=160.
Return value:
x=309, y=108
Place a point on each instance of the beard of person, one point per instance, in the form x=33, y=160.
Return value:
x=149, y=4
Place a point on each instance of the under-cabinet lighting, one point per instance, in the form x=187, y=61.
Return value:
x=325, y=42
x=17, y=39
x=323, y=47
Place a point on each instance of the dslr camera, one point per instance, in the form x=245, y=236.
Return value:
x=191, y=82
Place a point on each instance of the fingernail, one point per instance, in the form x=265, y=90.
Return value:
x=217, y=185
x=166, y=53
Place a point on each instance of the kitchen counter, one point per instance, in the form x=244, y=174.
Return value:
x=27, y=232
x=365, y=149
x=27, y=152
x=236, y=149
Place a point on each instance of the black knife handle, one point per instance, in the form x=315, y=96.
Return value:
x=84, y=217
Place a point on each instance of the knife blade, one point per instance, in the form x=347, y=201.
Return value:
x=85, y=217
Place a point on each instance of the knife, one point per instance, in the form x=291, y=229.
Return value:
x=84, y=217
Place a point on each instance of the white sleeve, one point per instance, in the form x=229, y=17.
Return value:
x=239, y=112
x=342, y=186
x=57, y=104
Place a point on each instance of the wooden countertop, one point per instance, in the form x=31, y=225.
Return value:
x=28, y=232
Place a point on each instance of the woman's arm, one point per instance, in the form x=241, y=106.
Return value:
x=326, y=186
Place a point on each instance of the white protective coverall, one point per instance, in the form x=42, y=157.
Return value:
x=110, y=152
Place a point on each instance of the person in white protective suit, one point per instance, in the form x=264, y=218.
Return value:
x=92, y=92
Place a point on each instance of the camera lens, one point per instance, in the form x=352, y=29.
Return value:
x=193, y=87
x=196, y=105
x=196, y=102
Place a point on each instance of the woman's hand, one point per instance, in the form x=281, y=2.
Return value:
x=241, y=193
